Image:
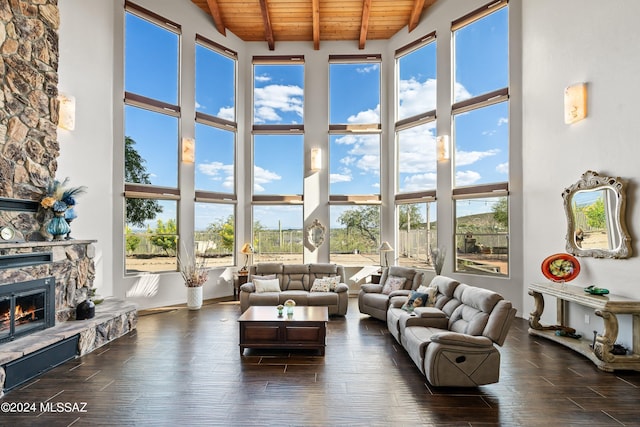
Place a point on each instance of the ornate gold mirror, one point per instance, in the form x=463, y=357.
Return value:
x=595, y=209
x=315, y=233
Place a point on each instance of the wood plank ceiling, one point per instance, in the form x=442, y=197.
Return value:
x=314, y=20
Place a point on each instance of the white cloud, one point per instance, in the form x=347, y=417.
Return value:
x=460, y=93
x=464, y=158
x=338, y=177
x=263, y=78
x=367, y=69
x=503, y=168
x=199, y=106
x=263, y=176
x=419, y=182
x=218, y=171
x=270, y=100
x=416, y=97
x=367, y=116
x=348, y=160
x=467, y=178
x=503, y=121
x=226, y=113
x=417, y=152
x=369, y=163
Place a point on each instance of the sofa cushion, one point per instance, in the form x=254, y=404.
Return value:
x=300, y=297
x=295, y=277
x=393, y=283
x=268, y=268
x=266, y=285
x=322, y=298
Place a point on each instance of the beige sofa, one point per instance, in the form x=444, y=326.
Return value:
x=374, y=302
x=453, y=341
x=296, y=282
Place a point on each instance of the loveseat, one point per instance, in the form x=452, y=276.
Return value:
x=273, y=283
x=452, y=340
x=374, y=298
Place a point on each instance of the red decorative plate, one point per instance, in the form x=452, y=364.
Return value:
x=560, y=267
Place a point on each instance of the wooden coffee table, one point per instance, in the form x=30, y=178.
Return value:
x=260, y=327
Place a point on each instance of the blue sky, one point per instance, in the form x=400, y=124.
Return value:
x=480, y=136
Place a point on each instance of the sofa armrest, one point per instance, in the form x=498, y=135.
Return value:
x=248, y=287
x=400, y=293
x=429, y=313
x=371, y=288
x=342, y=287
x=464, y=340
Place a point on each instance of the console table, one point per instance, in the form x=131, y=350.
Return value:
x=606, y=307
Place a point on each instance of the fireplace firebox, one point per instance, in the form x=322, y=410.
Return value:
x=26, y=307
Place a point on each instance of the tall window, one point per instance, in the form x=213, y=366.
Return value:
x=151, y=140
x=215, y=233
x=215, y=153
x=417, y=234
x=416, y=164
x=277, y=234
x=278, y=158
x=354, y=153
x=481, y=137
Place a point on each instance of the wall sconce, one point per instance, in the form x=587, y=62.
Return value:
x=316, y=159
x=575, y=103
x=386, y=248
x=188, y=150
x=67, y=112
x=247, y=250
x=442, y=148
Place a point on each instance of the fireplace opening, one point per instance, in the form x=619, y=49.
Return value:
x=26, y=307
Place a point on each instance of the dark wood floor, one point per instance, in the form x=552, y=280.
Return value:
x=183, y=368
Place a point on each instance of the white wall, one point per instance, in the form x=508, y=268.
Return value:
x=86, y=153
x=564, y=43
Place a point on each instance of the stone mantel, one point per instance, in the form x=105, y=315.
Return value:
x=43, y=244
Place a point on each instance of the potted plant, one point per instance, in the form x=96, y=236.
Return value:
x=195, y=273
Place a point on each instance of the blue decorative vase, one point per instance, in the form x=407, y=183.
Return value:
x=58, y=226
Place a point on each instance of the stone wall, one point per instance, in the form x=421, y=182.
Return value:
x=28, y=100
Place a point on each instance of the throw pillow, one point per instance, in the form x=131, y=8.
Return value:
x=268, y=276
x=431, y=291
x=333, y=282
x=320, y=285
x=393, y=283
x=416, y=299
x=266, y=285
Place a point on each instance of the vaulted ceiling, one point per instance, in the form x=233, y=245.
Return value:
x=314, y=20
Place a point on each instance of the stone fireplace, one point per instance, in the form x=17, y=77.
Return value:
x=26, y=307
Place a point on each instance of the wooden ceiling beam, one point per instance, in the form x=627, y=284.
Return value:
x=364, y=24
x=315, y=11
x=214, y=9
x=416, y=12
x=268, y=30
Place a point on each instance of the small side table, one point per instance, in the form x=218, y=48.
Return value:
x=375, y=278
x=241, y=279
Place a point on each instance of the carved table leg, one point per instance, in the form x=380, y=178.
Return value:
x=604, y=342
x=534, y=316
